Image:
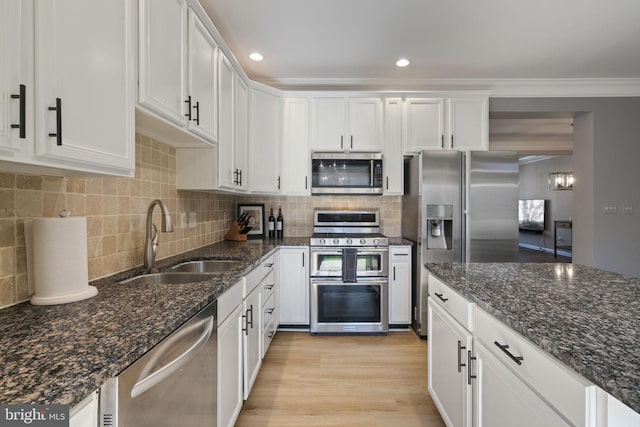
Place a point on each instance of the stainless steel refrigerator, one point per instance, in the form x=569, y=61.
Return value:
x=458, y=207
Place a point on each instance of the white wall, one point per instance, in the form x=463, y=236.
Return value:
x=534, y=185
x=606, y=153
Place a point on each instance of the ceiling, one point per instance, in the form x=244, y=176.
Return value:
x=355, y=43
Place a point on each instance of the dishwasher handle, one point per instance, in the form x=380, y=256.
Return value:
x=170, y=368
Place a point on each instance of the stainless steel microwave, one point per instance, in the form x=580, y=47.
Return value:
x=346, y=173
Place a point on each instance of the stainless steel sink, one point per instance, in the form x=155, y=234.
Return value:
x=211, y=266
x=169, y=278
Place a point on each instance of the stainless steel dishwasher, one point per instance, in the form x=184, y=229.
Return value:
x=173, y=384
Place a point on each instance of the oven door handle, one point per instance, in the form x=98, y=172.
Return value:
x=364, y=282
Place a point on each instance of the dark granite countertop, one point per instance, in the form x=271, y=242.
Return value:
x=588, y=319
x=62, y=353
x=399, y=241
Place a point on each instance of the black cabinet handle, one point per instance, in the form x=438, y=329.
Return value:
x=271, y=334
x=451, y=140
x=271, y=310
x=235, y=177
x=269, y=287
x=505, y=349
x=58, y=110
x=305, y=182
x=460, y=348
x=341, y=142
x=441, y=298
x=470, y=358
x=245, y=329
x=442, y=141
x=240, y=175
x=387, y=183
x=352, y=142
x=394, y=273
x=278, y=182
x=23, y=111
x=303, y=259
x=188, y=102
x=250, y=322
x=197, y=108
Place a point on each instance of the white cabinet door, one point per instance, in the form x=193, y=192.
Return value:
x=162, y=67
x=226, y=166
x=365, y=125
x=503, y=400
x=393, y=163
x=264, y=140
x=424, y=124
x=241, y=134
x=328, y=124
x=16, y=78
x=85, y=413
x=468, y=124
x=294, y=286
x=251, y=339
x=295, y=148
x=202, y=90
x=400, y=285
x=84, y=70
x=229, y=362
x=447, y=371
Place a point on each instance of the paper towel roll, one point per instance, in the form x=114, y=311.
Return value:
x=59, y=250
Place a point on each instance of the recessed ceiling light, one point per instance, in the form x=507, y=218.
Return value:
x=403, y=62
x=256, y=56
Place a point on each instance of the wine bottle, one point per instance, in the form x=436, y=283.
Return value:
x=272, y=225
x=279, y=224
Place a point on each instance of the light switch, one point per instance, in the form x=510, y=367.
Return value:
x=610, y=209
x=183, y=220
x=192, y=220
x=627, y=209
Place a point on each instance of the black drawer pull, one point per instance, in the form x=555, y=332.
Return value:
x=505, y=349
x=441, y=297
x=269, y=287
x=271, y=310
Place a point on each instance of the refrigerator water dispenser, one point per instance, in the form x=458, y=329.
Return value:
x=439, y=226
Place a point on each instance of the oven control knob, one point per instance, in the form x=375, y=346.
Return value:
x=376, y=241
x=349, y=241
x=363, y=242
x=322, y=241
x=336, y=241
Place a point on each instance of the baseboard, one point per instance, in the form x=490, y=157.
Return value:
x=543, y=249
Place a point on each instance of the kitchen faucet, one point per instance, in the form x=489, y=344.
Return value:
x=151, y=243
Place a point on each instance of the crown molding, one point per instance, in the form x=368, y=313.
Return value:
x=499, y=88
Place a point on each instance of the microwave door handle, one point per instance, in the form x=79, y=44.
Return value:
x=371, y=173
x=169, y=369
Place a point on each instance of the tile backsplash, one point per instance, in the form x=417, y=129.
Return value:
x=116, y=213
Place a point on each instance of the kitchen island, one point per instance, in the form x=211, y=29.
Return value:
x=587, y=319
x=62, y=353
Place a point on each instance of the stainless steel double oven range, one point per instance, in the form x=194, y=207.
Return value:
x=349, y=273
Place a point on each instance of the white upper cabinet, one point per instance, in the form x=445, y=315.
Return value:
x=227, y=172
x=454, y=123
x=202, y=94
x=80, y=117
x=346, y=124
x=162, y=53
x=393, y=160
x=16, y=78
x=264, y=139
x=241, y=134
x=295, y=147
x=177, y=74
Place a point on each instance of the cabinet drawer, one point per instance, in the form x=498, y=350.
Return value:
x=268, y=286
x=229, y=300
x=268, y=264
x=571, y=395
x=267, y=336
x=268, y=309
x=400, y=254
x=455, y=304
x=252, y=279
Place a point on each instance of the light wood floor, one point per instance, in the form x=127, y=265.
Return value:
x=350, y=381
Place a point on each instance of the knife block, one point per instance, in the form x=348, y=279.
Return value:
x=234, y=233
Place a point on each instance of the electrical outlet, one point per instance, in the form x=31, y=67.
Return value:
x=610, y=209
x=627, y=209
x=192, y=220
x=183, y=220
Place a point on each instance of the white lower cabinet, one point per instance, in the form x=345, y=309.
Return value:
x=400, y=285
x=251, y=336
x=502, y=399
x=449, y=384
x=85, y=413
x=294, y=285
x=229, y=361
